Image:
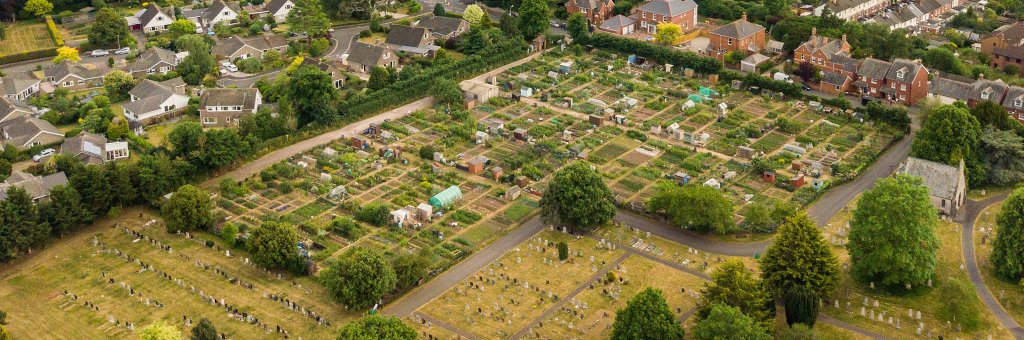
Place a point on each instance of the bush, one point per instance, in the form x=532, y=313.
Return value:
x=54, y=32
x=563, y=251
x=801, y=306
x=374, y=213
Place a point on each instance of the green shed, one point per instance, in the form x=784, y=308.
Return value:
x=446, y=197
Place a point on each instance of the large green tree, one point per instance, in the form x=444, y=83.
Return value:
x=308, y=17
x=360, y=278
x=118, y=83
x=410, y=268
x=990, y=113
x=189, y=208
x=198, y=63
x=732, y=284
x=950, y=134
x=222, y=147
x=578, y=27
x=21, y=223
x=578, y=198
x=109, y=29
x=802, y=304
x=379, y=78
x=799, y=256
x=1002, y=156
x=728, y=322
x=892, y=239
x=273, y=245
x=186, y=140
x=65, y=211
x=533, y=18
x=646, y=316
x=696, y=207
x=38, y=8
x=312, y=95
x=377, y=327
x=1008, y=247
x=446, y=92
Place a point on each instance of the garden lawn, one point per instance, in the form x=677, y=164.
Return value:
x=26, y=37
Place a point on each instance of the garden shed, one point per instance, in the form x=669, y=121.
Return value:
x=446, y=197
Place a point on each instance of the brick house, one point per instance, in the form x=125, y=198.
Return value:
x=679, y=12
x=595, y=11
x=821, y=51
x=1014, y=102
x=741, y=35
x=1005, y=45
x=871, y=77
x=907, y=82
x=835, y=83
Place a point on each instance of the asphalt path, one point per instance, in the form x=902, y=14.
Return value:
x=971, y=212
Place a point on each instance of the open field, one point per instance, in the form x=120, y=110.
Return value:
x=26, y=37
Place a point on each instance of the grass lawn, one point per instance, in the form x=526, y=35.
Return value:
x=1009, y=294
x=929, y=301
x=26, y=37
x=155, y=134
x=520, y=209
x=375, y=38
x=669, y=250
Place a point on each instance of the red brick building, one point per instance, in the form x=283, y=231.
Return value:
x=824, y=53
x=654, y=12
x=901, y=81
x=596, y=11
x=1005, y=46
x=740, y=35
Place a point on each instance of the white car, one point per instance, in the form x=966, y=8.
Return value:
x=231, y=68
x=123, y=50
x=99, y=53
x=226, y=63
x=43, y=154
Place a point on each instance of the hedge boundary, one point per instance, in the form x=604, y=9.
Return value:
x=54, y=32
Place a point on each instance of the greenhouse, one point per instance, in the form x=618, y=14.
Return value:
x=446, y=197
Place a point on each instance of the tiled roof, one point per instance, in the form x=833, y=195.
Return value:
x=668, y=7
x=873, y=68
x=940, y=179
x=366, y=54
x=904, y=70
x=402, y=35
x=244, y=97
x=739, y=29
x=617, y=22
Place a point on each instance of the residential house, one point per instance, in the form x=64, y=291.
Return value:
x=24, y=132
x=852, y=9
x=225, y=107
x=907, y=82
x=93, y=148
x=362, y=57
x=19, y=85
x=1005, y=45
x=654, y=12
x=444, y=28
x=338, y=77
x=279, y=9
x=219, y=11
x=74, y=76
x=821, y=51
x=150, y=19
x=914, y=13
x=37, y=187
x=738, y=36
x=947, y=185
x=619, y=24
x=594, y=10
x=835, y=83
x=948, y=90
x=10, y=110
x=155, y=61
x=236, y=47
x=1014, y=102
x=415, y=40
x=871, y=74
x=151, y=100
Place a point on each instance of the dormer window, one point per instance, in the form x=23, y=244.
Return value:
x=1018, y=102
x=900, y=74
x=985, y=94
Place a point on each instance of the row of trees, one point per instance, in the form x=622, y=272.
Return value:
x=985, y=138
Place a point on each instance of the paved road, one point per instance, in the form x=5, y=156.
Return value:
x=675, y=234
x=246, y=81
x=972, y=211
x=451, y=277
x=254, y=167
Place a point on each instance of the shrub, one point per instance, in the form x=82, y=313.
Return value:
x=54, y=32
x=563, y=251
x=801, y=306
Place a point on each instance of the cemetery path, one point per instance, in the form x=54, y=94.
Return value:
x=561, y=303
x=254, y=167
x=823, y=318
x=971, y=213
x=451, y=277
x=648, y=255
x=434, y=321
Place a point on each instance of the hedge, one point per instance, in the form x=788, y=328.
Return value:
x=13, y=58
x=660, y=54
x=750, y=79
x=54, y=32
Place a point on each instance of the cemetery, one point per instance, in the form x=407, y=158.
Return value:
x=1009, y=294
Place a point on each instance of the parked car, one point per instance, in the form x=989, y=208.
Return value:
x=225, y=63
x=232, y=68
x=43, y=154
x=99, y=53
x=124, y=50
x=555, y=24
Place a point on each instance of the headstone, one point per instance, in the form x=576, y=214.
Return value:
x=863, y=311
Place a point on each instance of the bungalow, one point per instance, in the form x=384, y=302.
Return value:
x=92, y=148
x=150, y=19
x=362, y=57
x=444, y=28
x=151, y=100
x=219, y=11
x=415, y=40
x=37, y=187
x=25, y=132
x=19, y=85
x=10, y=110
x=946, y=184
x=279, y=9
x=225, y=107
x=155, y=61
x=236, y=47
x=73, y=76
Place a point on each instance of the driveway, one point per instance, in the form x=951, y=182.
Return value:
x=971, y=212
x=244, y=81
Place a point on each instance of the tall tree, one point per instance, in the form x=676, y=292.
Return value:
x=410, y=268
x=38, y=8
x=117, y=83
x=446, y=92
x=802, y=305
x=27, y=228
x=799, y=256
x=379, y=78
x=307, y=17
x=474, y=14
x=222, y=147
x=198, y=63
x=64, y=211
x=1008, y=248
x=121, y=183
x=696, y=207
x=109, y=29
x=1002, y=156
x=189, y=208
x=577, y=27
x=182, y=27
x=892, y=234
x=377, y=327
x=159, y=175
x=312, y=95
x=733, y=285
x=950, y=134
x=667, y=33
x=187, y=139
x=509, y=25
x=439, y=9
x=204, y=330
x=990, y=113
x=646, y=316
x=94, y=187
x=728, y=322
x=360, y=278
x=534, y=16
x=273, y=245
x=578, y=198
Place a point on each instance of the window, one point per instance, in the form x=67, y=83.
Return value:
x=238, y=108
x=874, y=81
x=81, y=82
x=903, y=87
x=68, y=83
x=984, y=94
x=150, y=71
x=900, y=74
x=223, y=108
x=643, y=15
x=1017, y=102
x=209, y=120
x=837, y=87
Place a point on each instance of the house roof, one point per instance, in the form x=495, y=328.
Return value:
x=873, y=68
x=904, y=70
x=442, y=25
x=825, y=44
x=66, y=68
x=151, y=57
x=1014, y=94
x=1012, y=34
x=151, y=94
x=275, y=5
x=17, y=82
x=837, y=6
x=219, y=6
x=592, y=4
x=408, y=36
x=739, y=29
x=991, y=89
x=668, y=7
x=829, y=77
x=366, y=54
x=36, y=186
x=755, y=59
x=87, y=146
x=845, y=61
x=950, y=88
x=9, y=110
x=228, y=46
x=244, y=97
x=940, y=179
x=151, y=11
x=22, y=130
x=617, y=22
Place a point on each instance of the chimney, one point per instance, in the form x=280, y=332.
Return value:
x=844, y=37
x=981, y=76
x=744, y=17
x=814, y=31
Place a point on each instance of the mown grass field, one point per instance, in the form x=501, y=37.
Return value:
x=25, y=37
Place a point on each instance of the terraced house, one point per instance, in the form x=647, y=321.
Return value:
x=851, y=9
x=595, y=11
